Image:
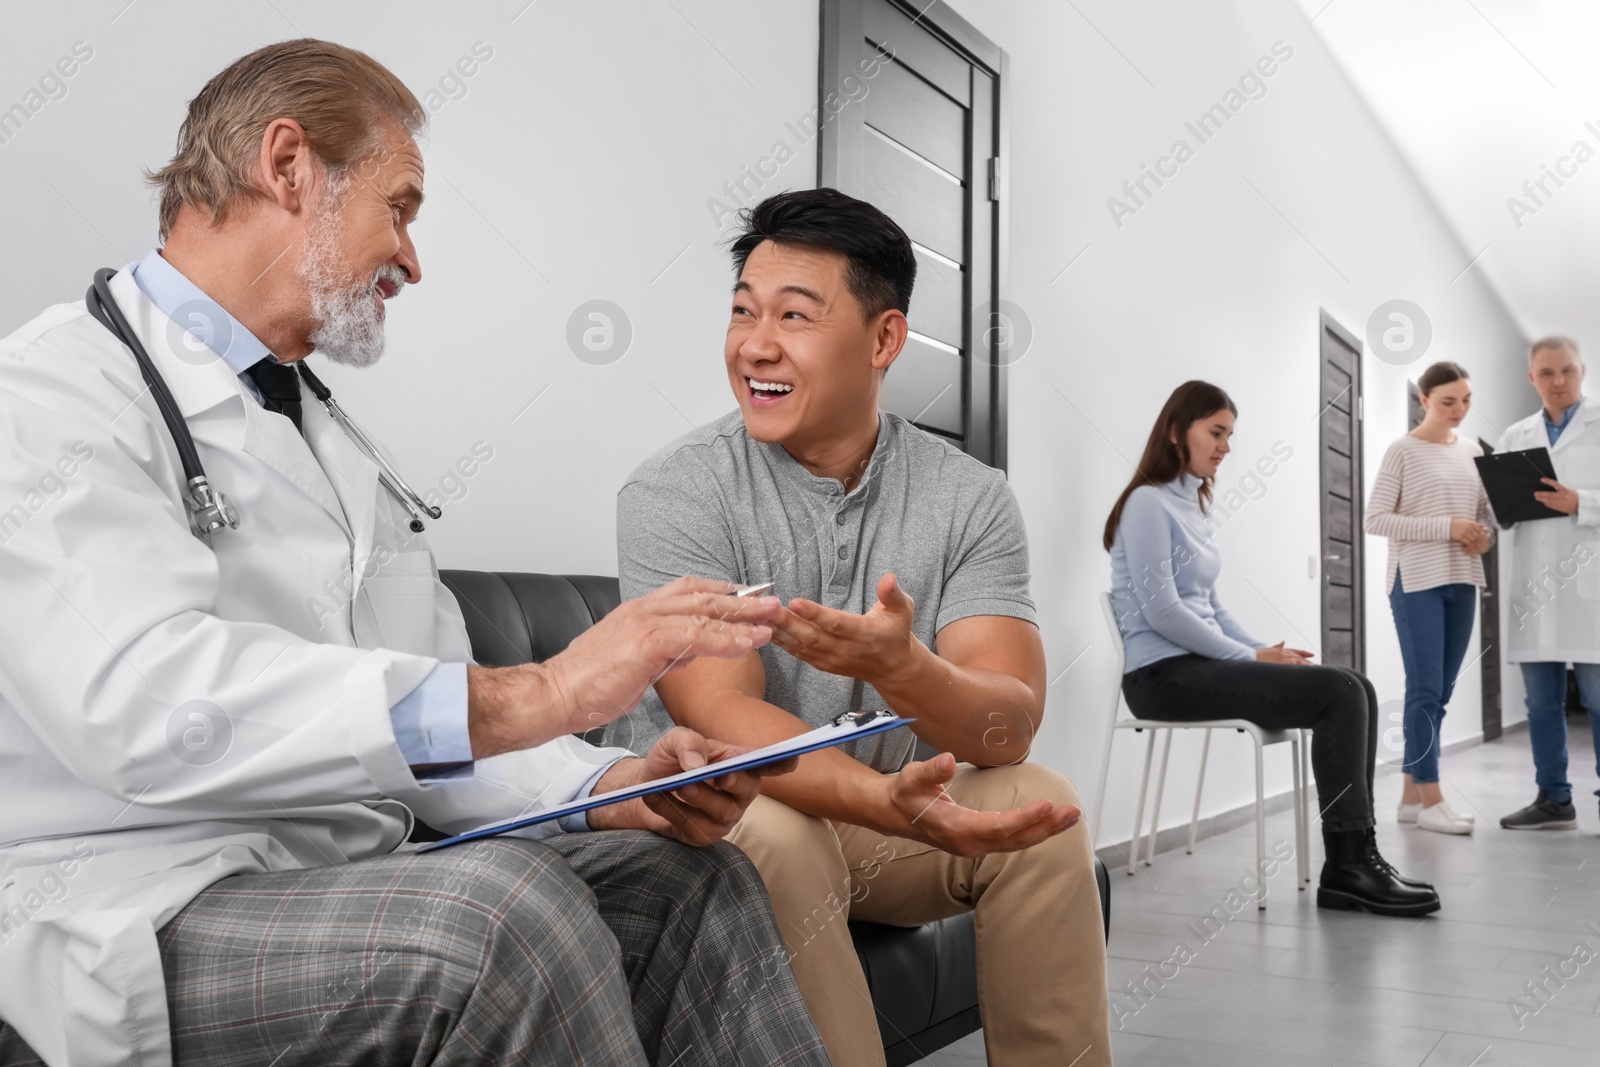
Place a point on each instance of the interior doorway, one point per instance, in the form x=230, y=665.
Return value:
x=1339, y=462
x=925, y=142
x=1489, y=633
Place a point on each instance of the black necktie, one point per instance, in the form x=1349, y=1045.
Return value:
x=280, y=388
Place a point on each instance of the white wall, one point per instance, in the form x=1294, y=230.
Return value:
x=1300, y=202
x=585, y=151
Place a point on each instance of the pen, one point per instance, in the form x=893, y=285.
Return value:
x=753, y=590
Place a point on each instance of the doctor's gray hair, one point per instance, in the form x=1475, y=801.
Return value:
x=1555, y=340
x=342, y=98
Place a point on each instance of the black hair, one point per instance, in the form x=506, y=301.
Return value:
x=882, y=266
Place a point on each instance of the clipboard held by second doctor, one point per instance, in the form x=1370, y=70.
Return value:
x=1511, y=479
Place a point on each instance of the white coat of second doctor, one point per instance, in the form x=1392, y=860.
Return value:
x=172, y=712
x=1554, y=599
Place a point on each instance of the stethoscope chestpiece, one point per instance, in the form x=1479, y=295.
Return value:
x=209, y=509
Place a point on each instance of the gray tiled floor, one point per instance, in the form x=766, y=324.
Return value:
x=1293, y=985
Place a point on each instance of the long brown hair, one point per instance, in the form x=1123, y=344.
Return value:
x=1165, y=458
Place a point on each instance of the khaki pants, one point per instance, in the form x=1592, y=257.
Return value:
x=1041, y=946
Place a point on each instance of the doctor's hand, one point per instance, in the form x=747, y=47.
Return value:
x=933, y=816
x=608, y=667
x=874, y=647
x=699, y=814
x=1559, y=498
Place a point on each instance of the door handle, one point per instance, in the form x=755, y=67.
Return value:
x=1331, y=555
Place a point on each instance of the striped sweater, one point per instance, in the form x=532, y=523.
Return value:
x=1421, y=486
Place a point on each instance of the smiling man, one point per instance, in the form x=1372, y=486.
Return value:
x=905, y=567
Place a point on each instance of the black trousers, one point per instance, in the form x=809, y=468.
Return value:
x=1338, y=704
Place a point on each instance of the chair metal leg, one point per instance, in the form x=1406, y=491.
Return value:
x=1200, y=783
x=1299, y=812
x=1138, y=814
x=1105, y=769
x=1261, y=829
x=1155, y=812
x=1305, y=802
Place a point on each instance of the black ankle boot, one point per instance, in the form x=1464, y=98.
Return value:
x=1377, y=857
x=1356, y=878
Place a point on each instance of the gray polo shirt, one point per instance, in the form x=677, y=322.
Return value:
x=718, y=504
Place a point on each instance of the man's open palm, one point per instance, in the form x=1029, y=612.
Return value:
x=867, y=646
x=938, y=820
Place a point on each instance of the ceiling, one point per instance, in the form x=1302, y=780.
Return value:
x=1482, y=96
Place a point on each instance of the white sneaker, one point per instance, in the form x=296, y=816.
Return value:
x=1442, y=820
x=1454, y=814
x=1409, y=813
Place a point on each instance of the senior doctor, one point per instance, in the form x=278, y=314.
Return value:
x=208, y=764
x=1555, y=577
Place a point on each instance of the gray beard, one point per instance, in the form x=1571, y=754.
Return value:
x=349, y=327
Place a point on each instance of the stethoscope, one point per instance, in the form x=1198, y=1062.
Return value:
x=209, y=508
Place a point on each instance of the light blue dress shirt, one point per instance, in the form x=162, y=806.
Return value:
x=1554, y=428
x=1164, y=570
x=430, y=722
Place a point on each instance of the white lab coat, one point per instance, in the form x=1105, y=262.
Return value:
x=1554, y=599
x=299, y=631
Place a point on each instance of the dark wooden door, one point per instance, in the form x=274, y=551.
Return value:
x=924, y=144
x=1339, y=463
x=1489, y=633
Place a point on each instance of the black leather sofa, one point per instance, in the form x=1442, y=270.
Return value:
x=923, y=979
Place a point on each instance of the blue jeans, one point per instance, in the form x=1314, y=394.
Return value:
x=1435, y=626
x=1546, y=684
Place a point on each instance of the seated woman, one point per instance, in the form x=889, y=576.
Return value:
x=1188, y=659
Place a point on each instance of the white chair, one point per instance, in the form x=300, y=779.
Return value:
x=1299, y=745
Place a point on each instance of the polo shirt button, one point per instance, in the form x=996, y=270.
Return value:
x=844, y=551
x=839, y=518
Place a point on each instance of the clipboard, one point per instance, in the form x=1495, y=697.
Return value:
x=851, y=726
x=1511, y=479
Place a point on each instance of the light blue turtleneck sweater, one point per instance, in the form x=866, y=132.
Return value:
x=1164, y=570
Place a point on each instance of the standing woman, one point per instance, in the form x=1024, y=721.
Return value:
x=1188, y=659
x=1429, y=502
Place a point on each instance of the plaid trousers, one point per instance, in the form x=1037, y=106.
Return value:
x=619, y=947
